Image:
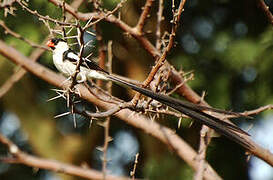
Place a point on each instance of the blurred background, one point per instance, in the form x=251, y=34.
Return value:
x=228, y=44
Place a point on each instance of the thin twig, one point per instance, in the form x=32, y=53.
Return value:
x=166, y=112
x=70, y=103
x=18, y=36
x=160, y=62
x=89, y=24
x=201, y=158
x=133, y=172
x=64, y=18
x=144, y=15
x=181, y=84
x=255, y=111
x=104, y=95
x=77, y=68
x=99, y=114
x=79, y=63
x=107, y=138
x=158, y=25
x=47, y=18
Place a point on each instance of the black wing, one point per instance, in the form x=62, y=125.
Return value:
x=71, y=56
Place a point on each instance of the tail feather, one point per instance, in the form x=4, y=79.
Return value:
x=220, y=126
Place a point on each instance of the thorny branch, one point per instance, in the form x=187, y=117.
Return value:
x=79, y=63
x=201, y=158
x=64, y=18
x=160, y=62
x=106, y=124
x=259, y=110
x=90, y=24
x=104, y=95
x=47, y=18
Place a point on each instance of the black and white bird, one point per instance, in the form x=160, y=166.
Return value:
x=66, y=60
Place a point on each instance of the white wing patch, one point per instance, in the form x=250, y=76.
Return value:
x=68, y=65
x=72, y=55
x=96, y=75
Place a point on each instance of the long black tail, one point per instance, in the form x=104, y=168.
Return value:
x=193, y=111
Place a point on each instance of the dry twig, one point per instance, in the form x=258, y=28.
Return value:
x=160, y=61
x=133, y=172
x=107, y=138
x=158, y=29
x=199, y=174
x=46, y=18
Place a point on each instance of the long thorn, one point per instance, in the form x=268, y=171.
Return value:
x=61, y=115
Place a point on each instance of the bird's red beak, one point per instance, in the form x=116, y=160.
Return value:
x=50, y=44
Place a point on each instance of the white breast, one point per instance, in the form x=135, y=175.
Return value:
x=68, y=68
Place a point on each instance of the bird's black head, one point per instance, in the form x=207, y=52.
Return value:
x=53, y=42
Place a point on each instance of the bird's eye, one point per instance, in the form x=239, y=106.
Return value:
x=54, y=41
